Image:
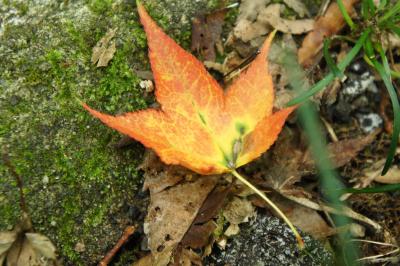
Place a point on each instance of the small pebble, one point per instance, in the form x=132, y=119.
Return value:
x=370, y=122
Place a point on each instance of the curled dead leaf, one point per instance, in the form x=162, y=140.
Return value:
x=104, y=50
x=298, y=6
x=271, y=16
x=41, y=244
x=206, y=33
x=237, y=211
x=325, y=26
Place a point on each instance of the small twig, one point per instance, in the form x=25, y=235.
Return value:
x=344, y=211
x=124, y=238
x=380, y=255
x=330, y=130
x=18, y=178
x=237, y=70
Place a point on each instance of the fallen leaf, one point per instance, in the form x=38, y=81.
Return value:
x=326, y=26
x=206, y=33
x=298, y=7
x=233, y=229
x=104, y=50
x=171, y=213
x=26, y=249
x=346, y=211
x=21, y=246
x=308, y=220
x=373, y=173
x=199, y=126
x=247, y=28
x=186, y=257
x=212, y=204
x=6, y=240
x=198, y=235
x=342, y=151
x=157, y=176
x=289, y=161
x=271, y=16
x=144, y=261
x=238, y=211
x=42, y=245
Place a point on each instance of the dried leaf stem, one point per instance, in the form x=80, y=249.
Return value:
x=18, y=178
x=270, y=203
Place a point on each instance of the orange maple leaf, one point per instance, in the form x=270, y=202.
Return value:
x=199, y=125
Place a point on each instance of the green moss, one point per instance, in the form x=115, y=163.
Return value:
x=100, y=6
x=76, y=183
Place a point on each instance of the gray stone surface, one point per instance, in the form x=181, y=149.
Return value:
x=268, y=241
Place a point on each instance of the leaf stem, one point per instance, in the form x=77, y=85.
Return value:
x=270, y=203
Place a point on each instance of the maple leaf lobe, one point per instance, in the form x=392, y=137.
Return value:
x=199, y=125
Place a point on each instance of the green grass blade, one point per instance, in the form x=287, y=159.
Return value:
x=328, y=78
x=395, y=29
x=384, y=72
x=345, y=14
x=328, y=176
x=367, y=9
x=329, y=60
x=391, y=12
x=378, y=189
x=382, y=4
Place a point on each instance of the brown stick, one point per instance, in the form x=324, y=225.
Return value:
x=124, y=238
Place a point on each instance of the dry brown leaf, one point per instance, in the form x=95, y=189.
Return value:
x=186, y=257
x=206, y=33
x=42, y=245
x=271, y=16
x=144, y=261
x=298, y=6
x=373, y=173
x=198, y=235
x=212, y=204
x=104, y=50
x=289, y=162
x=21, y=247
x=238, y=211
x=346, y=211
x=247, y=28
x=327, y=25
x=28, y=249
x=308, y=220
x=342, y=151
x=159, y=176
x=6, y=240
x=171, y=213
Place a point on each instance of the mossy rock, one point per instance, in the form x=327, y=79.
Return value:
x=78, y=186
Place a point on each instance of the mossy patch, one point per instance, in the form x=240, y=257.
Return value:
x=77, y=185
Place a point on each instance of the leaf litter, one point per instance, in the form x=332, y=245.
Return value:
x=303, y=205
x=105, y=49
x=22, y=246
